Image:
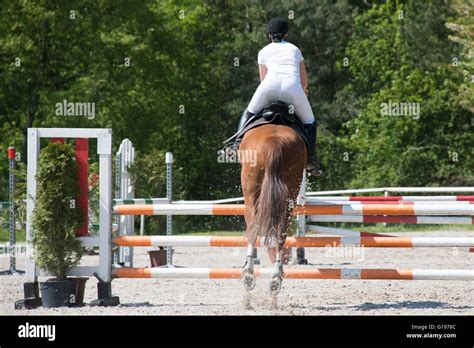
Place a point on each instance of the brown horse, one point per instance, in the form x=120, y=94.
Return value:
x=270, y=186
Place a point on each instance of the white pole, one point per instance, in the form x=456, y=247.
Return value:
x=125, y=158
x=12, y=220
x=142, y=225
x=118, y=194
x=301, y=220
x=104, y=149
x=169, y=195
x=32, y=163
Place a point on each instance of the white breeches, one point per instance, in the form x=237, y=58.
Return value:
x=286, y=88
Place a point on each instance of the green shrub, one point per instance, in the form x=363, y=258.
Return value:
x=57, y=216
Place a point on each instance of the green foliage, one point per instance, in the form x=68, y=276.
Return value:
x=430, y=149
x=57, y=216
x=463, y=34
x=374, y=50
x=175, y=75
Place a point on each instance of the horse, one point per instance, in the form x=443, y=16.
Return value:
x=270, y=186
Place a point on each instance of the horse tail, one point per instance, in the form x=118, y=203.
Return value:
x=271, y=206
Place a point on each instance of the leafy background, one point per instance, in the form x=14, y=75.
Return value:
x=201, y=56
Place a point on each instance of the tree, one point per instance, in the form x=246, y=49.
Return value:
x=429, y=149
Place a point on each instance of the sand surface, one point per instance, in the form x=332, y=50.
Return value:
x=298, y=297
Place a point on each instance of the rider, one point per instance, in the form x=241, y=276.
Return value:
x=283, y=77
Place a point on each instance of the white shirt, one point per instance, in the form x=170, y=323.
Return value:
x=281, y=57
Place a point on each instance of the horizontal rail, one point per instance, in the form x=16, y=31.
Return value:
x=391, y=198
x=140, y=201
x=338, y=192
x=318, y=202
x=297, y=273
x=395, y=190
x=307, y=242
x=418, y=220
x=71, y=132
x=180, y=209
x=349, y=209
x=388, y=209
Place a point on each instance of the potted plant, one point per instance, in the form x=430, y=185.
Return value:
x=158, y=256
x=55, y=220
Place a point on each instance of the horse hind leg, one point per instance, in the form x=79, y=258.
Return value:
x=248, y=276
x=276, y=281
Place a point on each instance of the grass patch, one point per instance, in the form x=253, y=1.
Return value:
x=5, y=236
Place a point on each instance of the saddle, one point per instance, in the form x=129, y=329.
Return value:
x=274, y=113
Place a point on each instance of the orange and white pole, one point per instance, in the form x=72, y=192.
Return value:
x=412, y=209
x=404, y=199
x=307, y=242
x=180, y=209
x=356, y=209
x=395, y=219
x=296, y=273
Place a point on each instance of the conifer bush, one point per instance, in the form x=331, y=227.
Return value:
x=57, y=215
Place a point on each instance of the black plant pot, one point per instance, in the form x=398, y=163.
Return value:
x=80, y=286
x=59, y=293
x=158, y=257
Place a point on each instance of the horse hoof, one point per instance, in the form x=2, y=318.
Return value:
x=249, y=281
x=275, y=286
x=246, y=302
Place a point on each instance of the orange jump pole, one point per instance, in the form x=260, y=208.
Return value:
x=399, y=199
x=396, y=219
x=296, y=273
x=337, y=209
x=307, y=242
x=411, y=209
x=180, y=209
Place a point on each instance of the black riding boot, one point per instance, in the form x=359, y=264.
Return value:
x=313, y=167
x=243, y=120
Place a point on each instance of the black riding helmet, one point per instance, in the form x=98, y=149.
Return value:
x=277, y=25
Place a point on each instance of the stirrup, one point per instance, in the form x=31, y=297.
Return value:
x=314, y=170
x=230, y=147
x=229, y=153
